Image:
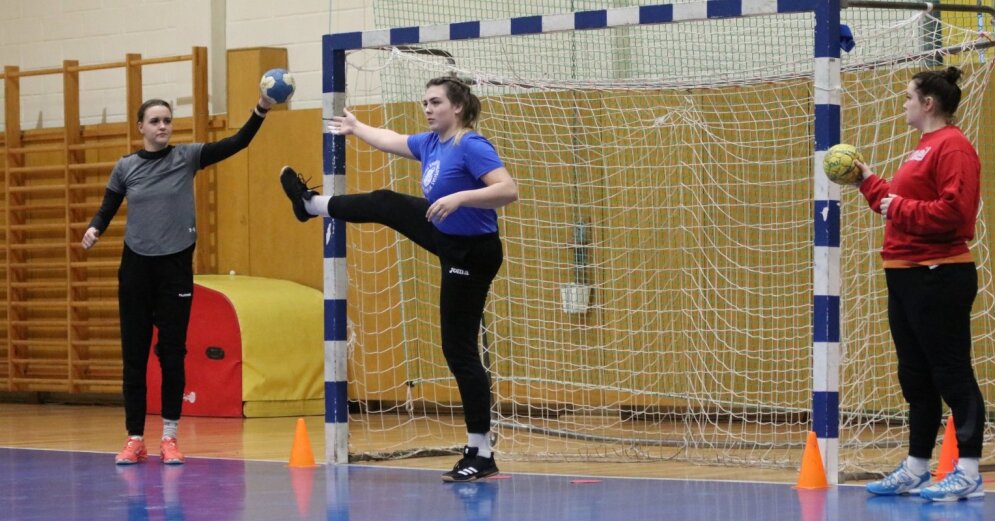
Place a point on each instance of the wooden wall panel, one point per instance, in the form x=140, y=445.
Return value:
x=245, y=68
x=233, y=232
x=278, y=245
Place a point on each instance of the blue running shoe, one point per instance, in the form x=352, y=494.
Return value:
x=954, y=487
x=900, y=481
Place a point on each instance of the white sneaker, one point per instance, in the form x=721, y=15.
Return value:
x=900, y=481
x=954, y=487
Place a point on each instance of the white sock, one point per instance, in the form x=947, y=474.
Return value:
x=136, y=437
x=917, y=466
x=317, y=205
x=169, y=428
x=969, y=466
x=482, y=442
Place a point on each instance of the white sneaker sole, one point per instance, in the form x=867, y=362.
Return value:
x=950, y=498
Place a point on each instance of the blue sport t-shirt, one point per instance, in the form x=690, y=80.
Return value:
x=447, y=168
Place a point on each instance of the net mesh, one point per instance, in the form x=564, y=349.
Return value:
x=655, y=301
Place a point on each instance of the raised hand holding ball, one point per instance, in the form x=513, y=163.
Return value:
x=840, y=164
x=277, y=85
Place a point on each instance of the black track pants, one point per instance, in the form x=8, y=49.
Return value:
x=154, y=291
x=929, y=311
x=468, y=265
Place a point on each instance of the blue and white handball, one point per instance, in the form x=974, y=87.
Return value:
x=277, y=85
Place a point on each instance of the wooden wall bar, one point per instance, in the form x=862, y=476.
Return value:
x=4, y=339
x=58, y=324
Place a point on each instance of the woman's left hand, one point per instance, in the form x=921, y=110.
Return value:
x=885, y=204
x=444, y=207
x=264, y=103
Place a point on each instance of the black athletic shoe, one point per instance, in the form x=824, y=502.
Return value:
x=295, y=186
x=472, y=467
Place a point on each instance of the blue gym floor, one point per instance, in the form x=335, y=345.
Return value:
x=61, y=485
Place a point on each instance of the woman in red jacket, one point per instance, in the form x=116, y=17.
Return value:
x=930, y=207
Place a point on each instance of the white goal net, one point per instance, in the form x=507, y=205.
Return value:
x=656, y=296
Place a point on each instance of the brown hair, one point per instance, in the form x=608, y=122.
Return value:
x=942, y=87
x=459, y=94
x=155, y=102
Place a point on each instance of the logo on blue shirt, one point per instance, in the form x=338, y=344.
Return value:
x=429, y=176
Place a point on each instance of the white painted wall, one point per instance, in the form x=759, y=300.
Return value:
x=37, y=34
x=297, y=25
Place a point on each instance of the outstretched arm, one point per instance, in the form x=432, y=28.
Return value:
x=220, y=150
x=382, y=139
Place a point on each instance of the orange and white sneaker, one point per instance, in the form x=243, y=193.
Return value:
x=134, y=452
x=170, y=453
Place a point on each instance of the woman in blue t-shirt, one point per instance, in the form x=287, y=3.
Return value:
x=463, y=181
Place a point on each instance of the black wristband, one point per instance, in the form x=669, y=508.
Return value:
x=260, y=110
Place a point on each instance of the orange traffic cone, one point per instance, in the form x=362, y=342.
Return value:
x=948, y=451
x=300, y=453
x=813, y=474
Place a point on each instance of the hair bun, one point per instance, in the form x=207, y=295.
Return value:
x=952, y=74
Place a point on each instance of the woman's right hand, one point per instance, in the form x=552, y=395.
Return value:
x=90, y=238
x=345, y=124
x=865, y=172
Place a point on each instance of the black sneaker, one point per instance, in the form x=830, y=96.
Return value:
x=295, y=186
x=472, y=467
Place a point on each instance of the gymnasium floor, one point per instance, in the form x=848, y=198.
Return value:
x=56, y=463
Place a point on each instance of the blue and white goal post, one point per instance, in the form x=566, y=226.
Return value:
x=825, y=52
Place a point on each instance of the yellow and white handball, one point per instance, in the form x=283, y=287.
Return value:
x=839, y=164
